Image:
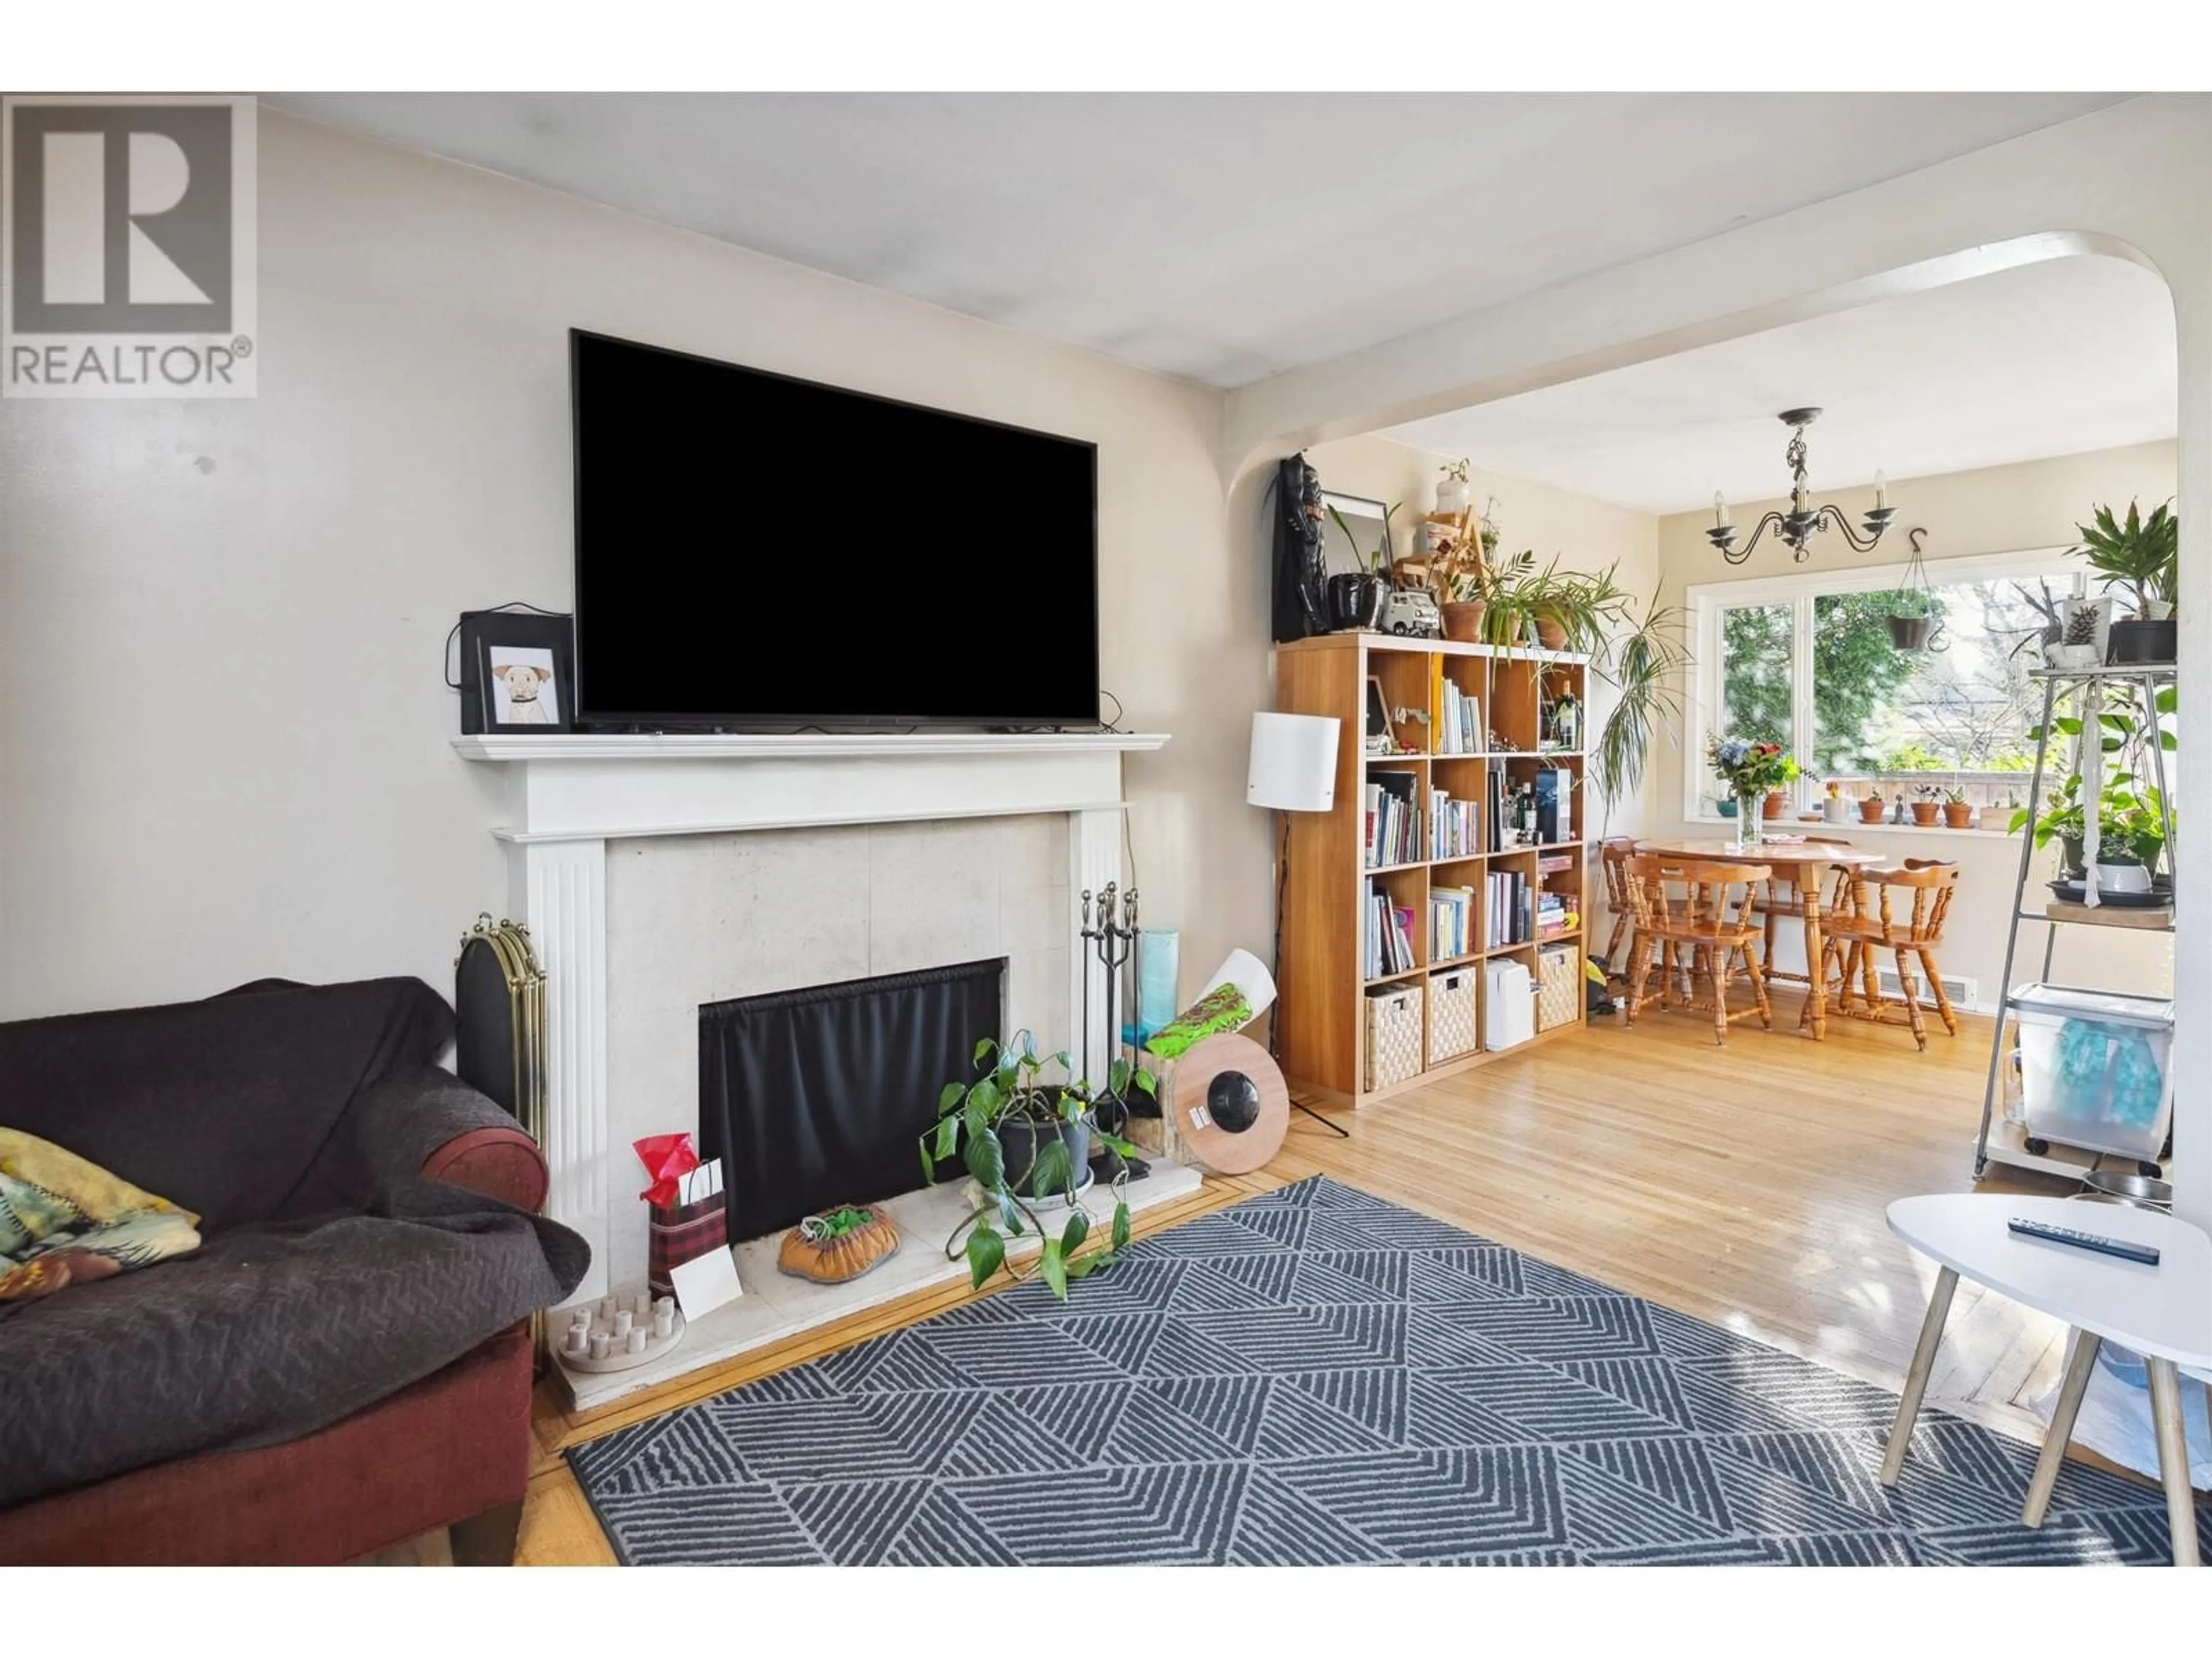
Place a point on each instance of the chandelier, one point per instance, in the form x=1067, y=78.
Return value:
x=1803, y=520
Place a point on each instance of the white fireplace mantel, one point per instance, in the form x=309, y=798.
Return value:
x=568, y=794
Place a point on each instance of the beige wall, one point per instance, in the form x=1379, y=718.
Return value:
x=2031, y=506
x=1583, y=534
x=224, y=728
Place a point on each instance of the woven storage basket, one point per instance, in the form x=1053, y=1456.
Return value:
x=1393, y=1035
x=1560, y=986
x=1451, y=1014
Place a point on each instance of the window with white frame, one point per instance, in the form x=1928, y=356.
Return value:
x=1808, y=660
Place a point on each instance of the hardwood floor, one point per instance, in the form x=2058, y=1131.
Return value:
x=1744, y=1185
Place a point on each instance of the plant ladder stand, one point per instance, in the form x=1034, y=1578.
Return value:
x=2149, y=677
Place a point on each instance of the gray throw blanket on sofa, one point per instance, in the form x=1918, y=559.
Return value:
x=296, y=1120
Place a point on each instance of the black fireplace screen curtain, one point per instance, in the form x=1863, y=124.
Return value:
x=818, y=1098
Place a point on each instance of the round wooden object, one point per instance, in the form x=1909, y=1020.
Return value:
x=1231, y=1107
x=834, y=1260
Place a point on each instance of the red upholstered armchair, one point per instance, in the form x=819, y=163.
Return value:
x=452, y=1449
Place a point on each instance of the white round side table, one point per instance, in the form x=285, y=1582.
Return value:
x=2163, y=1312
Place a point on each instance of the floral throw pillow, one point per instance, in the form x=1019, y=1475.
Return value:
x=64, y=1221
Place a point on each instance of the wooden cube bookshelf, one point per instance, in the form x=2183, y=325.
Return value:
x=1322, y=979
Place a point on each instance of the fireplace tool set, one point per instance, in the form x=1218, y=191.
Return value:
x=1110, y=933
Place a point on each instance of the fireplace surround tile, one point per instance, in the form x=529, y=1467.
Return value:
x=700, y=919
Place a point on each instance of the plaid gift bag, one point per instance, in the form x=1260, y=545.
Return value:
x=680, y=1233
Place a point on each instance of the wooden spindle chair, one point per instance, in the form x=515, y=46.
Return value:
x=1711, y=921
x=1618, y=850
x=1871, y=924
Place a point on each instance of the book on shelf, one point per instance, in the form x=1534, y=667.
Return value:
x=1458, y=719
x=1511, y=909
x=1451, y=923
x=1455, y=827
x=1555, y=863
x=1390, y=935
x=1393, y=824
x=1554, y=916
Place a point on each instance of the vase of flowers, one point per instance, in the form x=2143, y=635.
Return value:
x=1752, y=771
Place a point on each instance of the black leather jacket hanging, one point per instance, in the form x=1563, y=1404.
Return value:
x=1300, y=600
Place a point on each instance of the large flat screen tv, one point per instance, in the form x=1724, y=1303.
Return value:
x=755, y=551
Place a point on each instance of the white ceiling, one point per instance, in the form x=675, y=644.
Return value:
x=2052, y=359
x=1222, y=236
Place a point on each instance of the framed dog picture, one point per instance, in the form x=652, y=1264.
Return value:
x=518, y=673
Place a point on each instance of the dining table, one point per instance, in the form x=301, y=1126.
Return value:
x=1797, y=859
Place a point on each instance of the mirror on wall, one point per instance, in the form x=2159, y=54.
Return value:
x=1370, y=524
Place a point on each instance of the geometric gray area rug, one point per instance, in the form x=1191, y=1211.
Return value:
x=1317, y=1376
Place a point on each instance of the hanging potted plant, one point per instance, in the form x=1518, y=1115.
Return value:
x=2142, y=556
x=1916, y=616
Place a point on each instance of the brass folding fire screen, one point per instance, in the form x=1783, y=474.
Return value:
x=499, y=994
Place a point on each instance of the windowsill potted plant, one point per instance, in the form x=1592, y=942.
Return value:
x=1927, y=803
x=1871, y=807
x=1958, y=811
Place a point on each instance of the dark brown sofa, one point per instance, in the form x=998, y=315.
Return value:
x=340, y=1368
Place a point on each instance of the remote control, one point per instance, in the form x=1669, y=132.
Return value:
x=2127, y=1250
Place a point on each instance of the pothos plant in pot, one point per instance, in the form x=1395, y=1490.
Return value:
x=1026, y=1140
x=2131, y=811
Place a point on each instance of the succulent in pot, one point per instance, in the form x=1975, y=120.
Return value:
x=1958, y=811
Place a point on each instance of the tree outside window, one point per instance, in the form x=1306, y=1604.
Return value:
x=1878, y=711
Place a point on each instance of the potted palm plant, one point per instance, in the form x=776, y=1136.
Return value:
x=1643, y=666
x=2142, y=556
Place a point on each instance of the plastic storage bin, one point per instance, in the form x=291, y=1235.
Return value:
x=1509, y=1006
x=1393, y=1035
x=1451, y=1014
x=2093, y=1068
